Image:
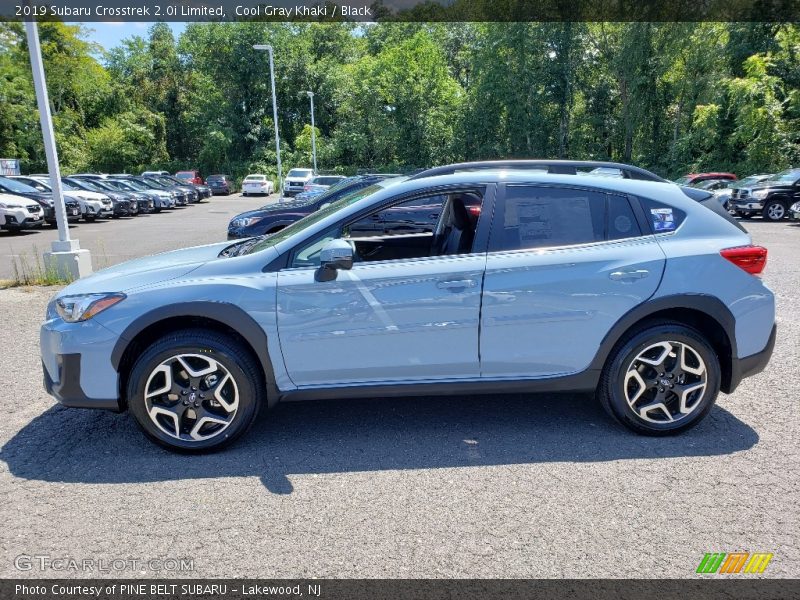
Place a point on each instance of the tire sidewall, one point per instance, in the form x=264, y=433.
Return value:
x=771, y=203
x=163, y=350
x=629, y=350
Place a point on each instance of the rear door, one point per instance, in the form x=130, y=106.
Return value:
x=564, y=265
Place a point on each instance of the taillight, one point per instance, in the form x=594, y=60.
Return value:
x=752, y=259
x=474, y=210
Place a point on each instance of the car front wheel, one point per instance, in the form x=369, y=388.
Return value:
x=195, y=390
x=661, y=380
x=774, y=210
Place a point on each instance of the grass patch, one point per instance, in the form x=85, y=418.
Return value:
x=31, y=270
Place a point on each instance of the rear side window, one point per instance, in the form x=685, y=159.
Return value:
x=662, y=218
x=541, y=217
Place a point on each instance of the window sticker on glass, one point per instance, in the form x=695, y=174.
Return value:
x=662, y=219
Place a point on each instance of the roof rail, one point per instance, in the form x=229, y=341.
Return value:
x=564, y=167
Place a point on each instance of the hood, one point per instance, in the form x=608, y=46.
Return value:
x=146, y=271
x=769, y=184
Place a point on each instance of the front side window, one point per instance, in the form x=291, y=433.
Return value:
x=433, y=225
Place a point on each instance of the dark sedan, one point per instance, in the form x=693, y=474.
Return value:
x=220, y=184
x=274, y=217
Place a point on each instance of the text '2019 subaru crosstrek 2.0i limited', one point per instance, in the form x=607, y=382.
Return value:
x=632, y=287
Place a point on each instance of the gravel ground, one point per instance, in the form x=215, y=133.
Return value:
x=504, y=486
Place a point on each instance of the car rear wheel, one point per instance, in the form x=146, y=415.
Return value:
x=660, y=380
x=195, y=390
x=774, y=210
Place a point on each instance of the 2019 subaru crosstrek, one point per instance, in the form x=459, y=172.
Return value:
x=631, y=287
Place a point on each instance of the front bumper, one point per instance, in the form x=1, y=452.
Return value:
x=76, y=360
x=750, y=207
x=22, y=220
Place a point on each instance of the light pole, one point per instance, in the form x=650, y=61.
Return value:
x=66, y=258
x=268, y=48
x=313, y=132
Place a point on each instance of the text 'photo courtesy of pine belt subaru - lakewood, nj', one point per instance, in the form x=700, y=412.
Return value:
x=634, y=288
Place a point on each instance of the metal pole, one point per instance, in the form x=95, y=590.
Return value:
x=275, y=119
x=46, y=120
x=313, y=133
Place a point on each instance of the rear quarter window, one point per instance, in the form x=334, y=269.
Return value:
x=662, y=218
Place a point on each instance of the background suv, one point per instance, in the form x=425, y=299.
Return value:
x=296, y=179
x=628, y=287
x=771, y=198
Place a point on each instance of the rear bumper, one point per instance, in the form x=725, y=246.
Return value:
x=748, y=366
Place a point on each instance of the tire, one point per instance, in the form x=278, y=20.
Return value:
x=665, y=341
x=195, y=424
x=774, y=210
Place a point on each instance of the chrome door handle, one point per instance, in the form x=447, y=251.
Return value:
x=456, y=284
x=628, y=275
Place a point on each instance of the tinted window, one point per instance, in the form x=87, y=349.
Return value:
x=621, y=220
x=540, y=217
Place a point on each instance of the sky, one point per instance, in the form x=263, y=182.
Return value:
x=110, y=34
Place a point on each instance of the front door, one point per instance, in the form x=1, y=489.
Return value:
x=406, y=312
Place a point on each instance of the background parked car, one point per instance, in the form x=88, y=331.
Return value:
x=151, y=173
x=72, y=198
x=740, y=189
x=296, y=179
x=220, y=184
x=794, y=211
x=257, y=183
x=320, y=183
x=96, y=203
x=161, y=198
x=18, y=213
x=138, y=202
x=180, y=195
x=274, y=217
x=771, y=198
x=192, y=195
x=203, y=191
x=190, y=176
x=693, y=178
x=42, y=195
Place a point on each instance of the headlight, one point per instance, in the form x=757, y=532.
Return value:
x=84, y=306
x=795, y=207
x=760, y=194
x=246, y=221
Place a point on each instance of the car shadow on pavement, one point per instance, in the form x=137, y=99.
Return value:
x=335, y=436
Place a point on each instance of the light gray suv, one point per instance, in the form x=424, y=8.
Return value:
x=527, y=279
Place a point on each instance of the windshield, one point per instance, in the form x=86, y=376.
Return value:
x=149, y=183
x=16, y=186
x=789, y=176
x=184, y=175
x=299, y=173
x=264, y=242
x=255, y=178
x=87, y=185
x=128, y=184
x=682, y=180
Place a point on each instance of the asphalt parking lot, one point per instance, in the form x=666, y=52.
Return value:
x=501, y=486
x=112, y=241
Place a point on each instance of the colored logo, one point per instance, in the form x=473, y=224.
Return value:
x=734, y=562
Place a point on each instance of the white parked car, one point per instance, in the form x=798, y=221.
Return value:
x=296, y=179
x=257, y=184
x=17, y=212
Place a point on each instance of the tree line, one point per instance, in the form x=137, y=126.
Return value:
x=393, y=96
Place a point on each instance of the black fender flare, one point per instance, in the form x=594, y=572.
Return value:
x=710, y=306
x=223, y=312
